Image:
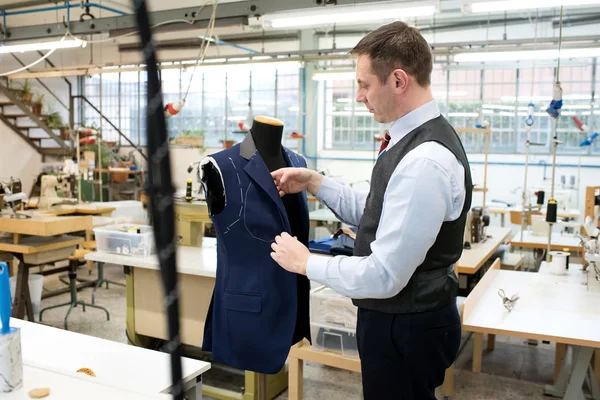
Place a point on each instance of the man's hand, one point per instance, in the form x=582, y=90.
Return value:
x=290, y=253
x=294, y=180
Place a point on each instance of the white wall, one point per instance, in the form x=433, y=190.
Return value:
x=18, y=159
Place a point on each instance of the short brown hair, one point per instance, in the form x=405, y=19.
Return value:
x=397, y=45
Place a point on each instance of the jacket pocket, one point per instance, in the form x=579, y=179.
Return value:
x=242, y=302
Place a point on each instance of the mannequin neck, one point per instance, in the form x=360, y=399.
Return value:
x=267, y=139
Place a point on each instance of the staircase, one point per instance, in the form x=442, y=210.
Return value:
x=18, y=117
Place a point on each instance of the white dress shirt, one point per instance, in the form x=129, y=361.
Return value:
x=426, y=189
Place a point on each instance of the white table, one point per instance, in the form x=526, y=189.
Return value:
x=201, y=261
x=65, y=386
x=558, y=241
x=115, y=364
x=324, y=217
x=558, y=308
x=568, y=214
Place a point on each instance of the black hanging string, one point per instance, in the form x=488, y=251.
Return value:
x=161, y=195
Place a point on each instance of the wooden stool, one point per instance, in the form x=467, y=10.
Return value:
x=73, y=264
x=512, y=261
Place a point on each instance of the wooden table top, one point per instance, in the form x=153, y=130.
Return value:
x=474, y=258
x=44, y=225
x=38, y=244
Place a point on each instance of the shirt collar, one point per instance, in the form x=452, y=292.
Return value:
x=417, y=117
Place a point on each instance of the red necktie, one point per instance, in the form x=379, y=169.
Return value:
x=384, y=144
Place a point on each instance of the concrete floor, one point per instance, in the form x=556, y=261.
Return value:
x=515, y=370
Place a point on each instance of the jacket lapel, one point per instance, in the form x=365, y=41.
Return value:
x=302, y=198
x=259, y=173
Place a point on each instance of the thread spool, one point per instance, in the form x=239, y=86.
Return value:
x=11, y=362
x=568, y=257
x=540, y=197
x=188, y=190
x=551, y=211
x=558, y=263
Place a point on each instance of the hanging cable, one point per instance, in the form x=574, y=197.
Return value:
x=554, y=111
x=161, y=197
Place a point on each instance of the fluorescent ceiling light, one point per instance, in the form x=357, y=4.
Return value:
x=577, y=106
x=452, y=93
x=247, y=108
x=463, y=114
x=237, y=118
x=344, y=100
x=596, y=112
x=586, y=113
x=349, y=14
x=525, y=99
x=486, y=111
x=349, y=113
x=522, y=55
x=264, y=102
x=498, y=107
x=243, y=67
x=506, y=114
x=514, y=5
x=59, y=44
x=294, y=108
x=568, y=113
x=334, y=76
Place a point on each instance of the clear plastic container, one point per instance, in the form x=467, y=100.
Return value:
x=329, y=308
x=335, y=339
x=124, y=239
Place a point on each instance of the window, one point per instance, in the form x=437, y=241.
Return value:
x=464, y=96
x=217, y=100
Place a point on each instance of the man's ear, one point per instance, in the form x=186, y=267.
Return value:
x=401, y=80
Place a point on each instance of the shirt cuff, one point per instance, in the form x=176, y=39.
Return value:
x=329, y=190
x=316, y=268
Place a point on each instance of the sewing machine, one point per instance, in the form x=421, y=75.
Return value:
x=11, y=194
x=56, y=189
x=475, y=227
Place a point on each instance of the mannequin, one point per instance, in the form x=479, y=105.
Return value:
x=263, y=150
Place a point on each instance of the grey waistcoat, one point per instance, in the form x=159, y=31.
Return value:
x=434, y=283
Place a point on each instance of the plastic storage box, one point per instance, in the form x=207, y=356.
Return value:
x=327, y=307
x=338, y=340
x=126, y=239
x=333, y=322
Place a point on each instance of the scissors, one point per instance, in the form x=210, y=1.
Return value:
x=508, y=302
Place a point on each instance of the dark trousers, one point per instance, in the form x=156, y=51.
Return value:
x=404, y=356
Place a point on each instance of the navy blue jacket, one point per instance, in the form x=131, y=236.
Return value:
x=253, y=314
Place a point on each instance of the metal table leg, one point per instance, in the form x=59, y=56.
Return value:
x=193, y=390
x=260, y=385
x=570, y=382
x=22, y=301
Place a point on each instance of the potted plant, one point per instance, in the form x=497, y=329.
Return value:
x=55, y=122
x=26, y=92
x=37, y=105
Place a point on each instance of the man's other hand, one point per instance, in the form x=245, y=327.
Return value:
x=290, y=254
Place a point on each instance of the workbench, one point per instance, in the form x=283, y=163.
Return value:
x=326, y=218
x=557, y=308
x=474, y=258
x=115, y=364
x=572, y=214
x=559, y=242
x=36, y=235
x=197, y=268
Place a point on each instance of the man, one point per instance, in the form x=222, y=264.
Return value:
x=410, y=226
